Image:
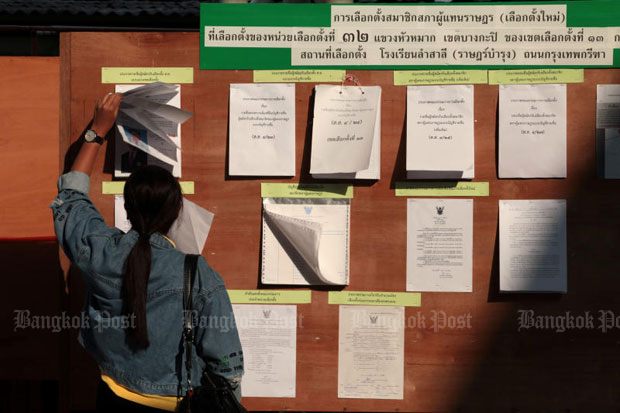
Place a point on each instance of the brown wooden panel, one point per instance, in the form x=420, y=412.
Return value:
x=29, y=114
x=493, y=364
x=31, y=316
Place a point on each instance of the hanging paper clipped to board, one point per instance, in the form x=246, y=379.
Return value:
x=148, y=126
x=305, y=241
x=346, y=132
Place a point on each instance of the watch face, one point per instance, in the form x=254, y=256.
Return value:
x=90, y=135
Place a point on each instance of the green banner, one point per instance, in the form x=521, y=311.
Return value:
x=420, y=36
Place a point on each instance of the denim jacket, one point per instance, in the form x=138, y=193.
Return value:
x=99, y=251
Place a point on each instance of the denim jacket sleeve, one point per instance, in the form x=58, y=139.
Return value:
x=76, y=220
x=217, y=339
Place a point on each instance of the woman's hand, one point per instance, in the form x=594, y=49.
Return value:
x=106, y=111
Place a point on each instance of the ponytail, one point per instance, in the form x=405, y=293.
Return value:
x=137, y=271
x=152, y=200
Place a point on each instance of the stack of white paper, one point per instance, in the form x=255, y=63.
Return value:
x=305, y=241
x=268, y=335
x=440, y=132
x=149, y=128
x=532, y=245
x=532, y=131
x=346, y=132
x=262, y=129
x=189, y=232
x=608, y=131
x=439, y=244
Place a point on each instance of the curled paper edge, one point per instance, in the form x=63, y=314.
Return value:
x=304, y=236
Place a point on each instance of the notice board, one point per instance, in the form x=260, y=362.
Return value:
x=494, y=364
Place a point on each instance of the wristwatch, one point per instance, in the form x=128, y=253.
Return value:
x=91, y=136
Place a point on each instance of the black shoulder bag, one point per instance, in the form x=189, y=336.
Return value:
x=214, y=395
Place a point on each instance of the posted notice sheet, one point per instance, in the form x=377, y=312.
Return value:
x=305, y=241
x=532, y=131
x=440, y=132
x=608, y=131
x=346, y=132
x=371, y=352
x=268, y=335
x=439, y=244
x=262, y=129
x=532, y=242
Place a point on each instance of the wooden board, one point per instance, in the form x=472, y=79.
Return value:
x=493, y=364
x=29, y=114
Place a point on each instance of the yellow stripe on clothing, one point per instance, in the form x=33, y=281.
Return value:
x=169, y=240
x=168, y=403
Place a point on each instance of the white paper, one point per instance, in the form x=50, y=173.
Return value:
x=343, y=128
x=268, y=335
x=371, y=352
x=189, y=231
x=612, y=154
x=607, y=131
x=120, y=215
x=439, y=244
x=440, y=132
x=374, y=167
x=532, y=131
x=262, y=129
x=305, y=242
x=607, y=106
x=135, y=146
x=532, y=245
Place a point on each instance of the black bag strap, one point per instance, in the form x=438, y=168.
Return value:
x=189, y=273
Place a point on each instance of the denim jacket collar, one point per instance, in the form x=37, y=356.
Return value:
x=156, y=239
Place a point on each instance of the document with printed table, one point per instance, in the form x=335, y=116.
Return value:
x=262, y=129
x=440, y=132
x=148, y=128
x=440, y=244
x=532, y=131
x=346, y=132
x=532, y=245
x=305, y=241
x=268, y=335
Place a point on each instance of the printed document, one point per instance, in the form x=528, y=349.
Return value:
x=440, y=132
x=439, y=244
x=532, y=242
x=262, y=129
x=148, y=130
x=189, y=232
x=305, y=241
x=608, y=131
x=346, y=132
x=371, y=352
x=532, y=131
x=268, y=335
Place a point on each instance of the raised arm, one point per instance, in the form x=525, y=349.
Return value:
x=106, y=111
x=77, y=222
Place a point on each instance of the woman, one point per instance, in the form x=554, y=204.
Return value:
x=133, y=317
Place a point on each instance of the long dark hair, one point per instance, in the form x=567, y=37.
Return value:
x=152, y=200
